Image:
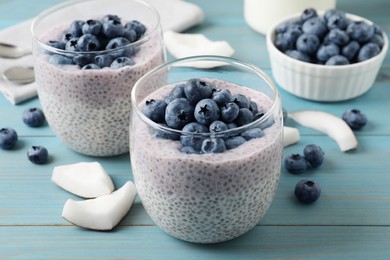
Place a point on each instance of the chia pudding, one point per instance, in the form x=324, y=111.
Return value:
x=89, y=109
x=206, y=198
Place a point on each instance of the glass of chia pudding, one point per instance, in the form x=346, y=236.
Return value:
x=206, y=147
x=88, y=55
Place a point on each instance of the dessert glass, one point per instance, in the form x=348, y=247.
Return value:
x=89, y=109
x=206, y=198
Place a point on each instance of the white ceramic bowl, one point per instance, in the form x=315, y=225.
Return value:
x=320, y=82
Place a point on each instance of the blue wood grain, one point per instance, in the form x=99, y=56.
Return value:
x=351, y=220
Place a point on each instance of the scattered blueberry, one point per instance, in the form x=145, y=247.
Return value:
x=155, y=110
x=206, y=111
x=213, y=145
x=8, y=138
x=314, y=155
x=33, y=117
x=178, y=113
x=355, y=118
x=38, y=154
x=307, y=191
x=295, y=164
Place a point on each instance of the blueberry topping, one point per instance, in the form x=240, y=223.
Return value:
x=121, y=62
x=218, y=126
x=60, y=60
x=252, y=133
x=155, y=110
x=138, y=27
x=307, y=191
x=314, y=155
x=91, y=66
x=178, y=113
x=222, y=96
x=103, y=60
x=76, y=28
x=206, y=111
x=197, y=89
x=244, y=117
x=229, y=112
x=113, y=28
x=295, y=164
x=38, y=154
x=88, y=42
x=176, y=92
x=56, y=44
x=213, y=145
x=81, y=60
x=355, y=118
x=72, y=45
x=92, y=27
x=33, y=117
x=234, y=141
x=241, y=101
x=8, y=138
x=189, y=139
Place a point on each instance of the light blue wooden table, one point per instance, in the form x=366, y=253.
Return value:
x=351, y=220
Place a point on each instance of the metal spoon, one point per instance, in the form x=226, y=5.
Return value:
x=19, y=74
x=11, y=51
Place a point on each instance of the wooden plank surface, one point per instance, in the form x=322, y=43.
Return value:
x=351, y=220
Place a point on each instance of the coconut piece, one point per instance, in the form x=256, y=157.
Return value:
x=290, y=135
x=84, y=179
x=102, y=213
x=182, y=45
x=329, y=124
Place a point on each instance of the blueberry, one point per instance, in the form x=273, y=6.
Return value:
x=206, y=111
x=350, y=50
x=176, y=92
x=165, y=134
x=91, y=66
x=315, y=26
x=287, y=40
x=121, y=62
x=38, y=154
x=314, y=155
x=60, y=60
x=295, y=164
x=155, y=110
x=188, y=150
x=65, y=38
x=285, y=114
x=330, y=12
x=111, y=17
x=231, y=125
x=367, y=51
x=229, y=112
x=81, y=59
x=252, y=133
x=118, y=43
x=130, y=34
x=88, y=42
x=355, y=118
x=234, y=141
x=360, y=31
x=33, y=117
x=307, y=43
x=298, y=55
x=327, y=50
x=56, y=44
x=217, y=127
x=113, y=28
x=72, y=45
x=307, y=191
x=253, y=107
x=282, y=28
x=337, y=60
x=103, y=60
x=8, y=138
x=189, y=139
x=213, y=145
x=178, y=113
x=241, y=101
x=338, y=37
x=92, y=27
x=76, y=28
x=378, y=39
x=244, y=117
x=137, y=26
x=197, y=89
x=222, y=96
x=266, y=123
x=308, y=13
x=337, y=21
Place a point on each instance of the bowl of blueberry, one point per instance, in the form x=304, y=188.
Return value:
x=326, y=55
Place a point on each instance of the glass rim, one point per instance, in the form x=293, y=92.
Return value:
x=68, y=3
x=214, y=58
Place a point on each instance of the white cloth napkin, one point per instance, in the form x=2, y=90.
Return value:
x=176, y=15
